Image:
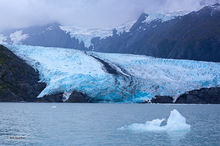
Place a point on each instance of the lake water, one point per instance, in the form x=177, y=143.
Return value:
x=98, y=124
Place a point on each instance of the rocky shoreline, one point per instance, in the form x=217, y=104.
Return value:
x=200, y=96
x=20, y=83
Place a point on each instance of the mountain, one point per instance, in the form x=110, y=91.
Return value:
x=50, y=35
x=179, y=35
x=72, y=75
x=195, y=36
x=56, y=35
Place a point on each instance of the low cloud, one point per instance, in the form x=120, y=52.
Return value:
x=86, y=13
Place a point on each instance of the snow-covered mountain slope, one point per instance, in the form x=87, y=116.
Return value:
x=163, y=17
x=122, y=37
x=194, y=36
x=116, y=77
x=65, y=34
x=29, y=36
x=85, y=35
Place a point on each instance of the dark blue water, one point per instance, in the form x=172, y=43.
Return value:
x=97, y=124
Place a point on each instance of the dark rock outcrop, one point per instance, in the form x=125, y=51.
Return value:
x=78, y=97
x=201, y=96
x=162, y=99
x=18, y=81
x=108, y=68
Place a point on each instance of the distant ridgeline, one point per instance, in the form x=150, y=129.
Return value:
x=194, y=36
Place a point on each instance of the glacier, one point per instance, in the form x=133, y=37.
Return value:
x=110, y=77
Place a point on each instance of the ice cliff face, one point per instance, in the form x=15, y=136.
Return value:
x=116, y=77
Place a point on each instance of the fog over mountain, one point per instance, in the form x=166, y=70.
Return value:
x=87, y=13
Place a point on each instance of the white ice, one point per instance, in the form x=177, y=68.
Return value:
x=53, y=106
x=175, y=123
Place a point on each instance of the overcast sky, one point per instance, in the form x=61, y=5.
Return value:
x=86, y=13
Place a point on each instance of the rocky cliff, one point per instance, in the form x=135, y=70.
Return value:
x=201, y=96
x=18, y=81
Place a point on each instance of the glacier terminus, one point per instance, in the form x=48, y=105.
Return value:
x=112, y=77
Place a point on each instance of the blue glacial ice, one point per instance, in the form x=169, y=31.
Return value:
x=138, y=77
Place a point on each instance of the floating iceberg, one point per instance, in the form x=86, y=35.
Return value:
x=175, y=123
x=116, y=77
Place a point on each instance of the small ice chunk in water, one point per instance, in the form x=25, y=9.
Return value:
x=66, y=95
x=175, y=123
x=53, y=106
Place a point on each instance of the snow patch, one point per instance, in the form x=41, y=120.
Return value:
x=175, y=123
x=125, y=27
x=17, y=37
x=163, y=17
x=3, y=39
